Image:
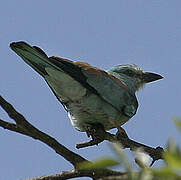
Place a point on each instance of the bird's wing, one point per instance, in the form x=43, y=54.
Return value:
x=110, y=89
x=105, y=85
x=99, y=82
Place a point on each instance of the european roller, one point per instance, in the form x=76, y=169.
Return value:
x=89, y=95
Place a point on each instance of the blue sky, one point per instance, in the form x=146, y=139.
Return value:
x=104, y=34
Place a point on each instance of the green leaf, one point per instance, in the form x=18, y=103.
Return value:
x=178, y=123
x=165, y=172
x=97, y=164
x=173, y=160
x=121, y=156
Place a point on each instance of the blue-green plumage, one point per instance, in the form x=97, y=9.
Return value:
x=90, y=95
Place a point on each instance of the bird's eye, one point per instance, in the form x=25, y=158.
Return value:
x=129, y=72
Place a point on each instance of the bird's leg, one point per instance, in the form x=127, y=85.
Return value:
x=121, y=132
x=96, y=131
x=90, y=129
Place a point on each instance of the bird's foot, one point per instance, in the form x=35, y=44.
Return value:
x=96, y=131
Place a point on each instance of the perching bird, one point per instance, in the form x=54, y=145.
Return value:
x=90, y=95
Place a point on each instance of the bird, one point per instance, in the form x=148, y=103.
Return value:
x=90, y=95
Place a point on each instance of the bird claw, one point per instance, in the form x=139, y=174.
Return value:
x=95, y=131
x=90, y=129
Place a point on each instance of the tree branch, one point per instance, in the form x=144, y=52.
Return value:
x=95, y=174
x=22, y=126
x=99, y=135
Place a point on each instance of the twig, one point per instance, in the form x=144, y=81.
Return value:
x=96, y=174
x=22, y=126
x=125, y=141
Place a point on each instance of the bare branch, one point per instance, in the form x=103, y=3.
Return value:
x=121, y=137
x=95, y=174
x=22, y=126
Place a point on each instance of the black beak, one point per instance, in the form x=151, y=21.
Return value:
x=149, y=77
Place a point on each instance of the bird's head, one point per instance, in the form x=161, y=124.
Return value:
x=133, y=76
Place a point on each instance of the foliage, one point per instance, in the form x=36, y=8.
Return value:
x=171, y=169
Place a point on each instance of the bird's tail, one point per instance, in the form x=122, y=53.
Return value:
x=33, y=56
